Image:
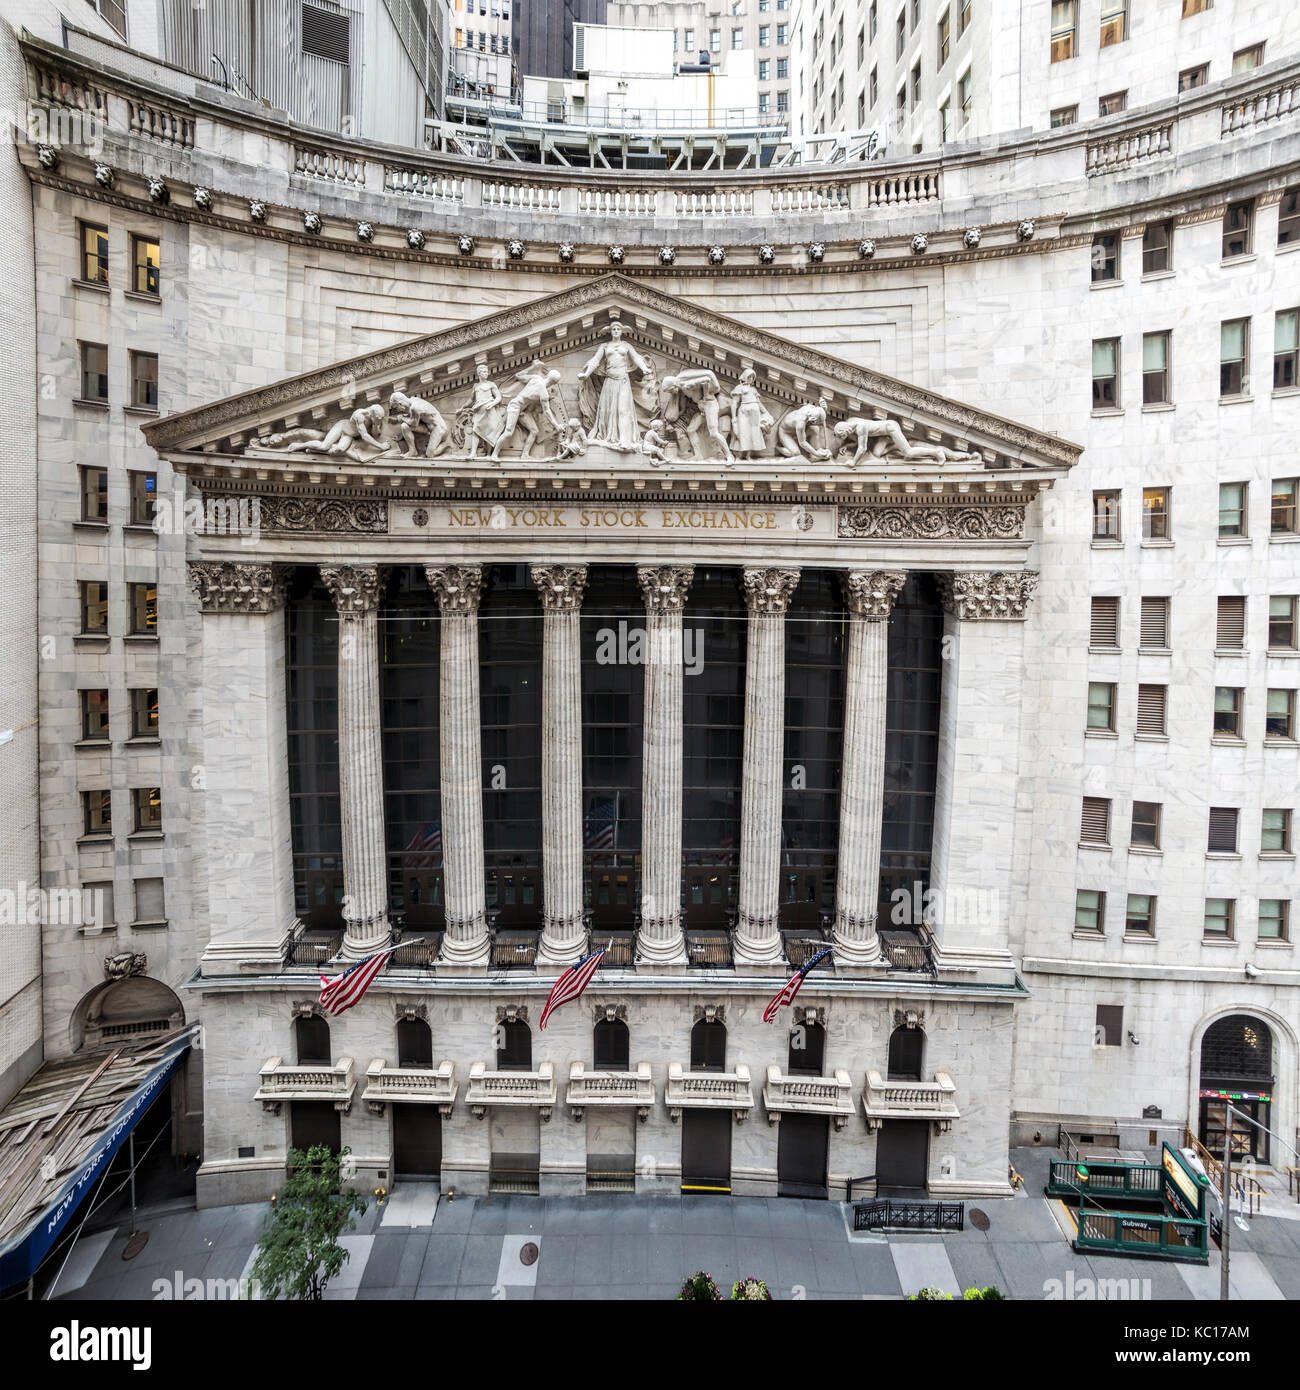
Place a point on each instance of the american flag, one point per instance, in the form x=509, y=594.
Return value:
x=425, y=849
x=340, y=993
x=785, y=995
x=571, y=984
x=601, y=824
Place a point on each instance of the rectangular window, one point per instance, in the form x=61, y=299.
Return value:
x=1155, y=369
x=1286, y=349
x=1274, y=919
x=1288, y=217
x=782, y=35
x=94, y=372
x=1109, y=1028
x=783, y=101
x=1246, y=59
x=144, y=492
x=764, y=102
x=1140, y=918
x=1101, y=706
x=1156, y=514
x=1195, y=6
x=1094, y=828
x=965, y=15
x=1282, y=622
x=1230, y=631
x=782, y=69
x=1238, y=228
x=1064, y=115
x=916, y=84
x=945, y=38
x=1151, y=710
x=1223, y=830
x=144, y=380
x=94, y=716
x=688, y=39
x=1227, y=711
x=1218, y=918
x=1284, y=514
x=738, y=39
x=1105, y=374
x=1154, y=635
x=1105, y=256
x=1279, y=719
x=144, y=714
x=1090, y=911
x=1234, y=342
x=964, y=95
x=94, y=494
x=871, y=19
x=1157, y=242
x=1064, y=19
x=862, y=48
x=1105, y=623
x=916, y=14
x=104, y=894
x=144, y=610
x=149, y=901
x=1275, y=831
x=147, y=805
x=1193, y=77
x=1145, y=831
x=1232, y=509
x=765, y=71
x=900, y=36
x=945, y=122
x=715, y=40
x=98, y=808
x=1112, y=103
x=1114, y=22
x=94, y=607
x=1105, y=516
x=94, y=253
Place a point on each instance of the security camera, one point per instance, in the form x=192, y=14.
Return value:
x=1132, y=1037
x=1252, y=971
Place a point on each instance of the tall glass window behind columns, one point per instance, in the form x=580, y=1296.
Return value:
x=713, y=739
x=312, y=719
x=510, y=691
x=816, y=638
x=911, y=744
x=408, y=682
x=613, y=692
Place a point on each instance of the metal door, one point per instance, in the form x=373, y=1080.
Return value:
x=801, y=1156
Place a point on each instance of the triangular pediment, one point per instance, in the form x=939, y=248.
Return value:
x=655, y=384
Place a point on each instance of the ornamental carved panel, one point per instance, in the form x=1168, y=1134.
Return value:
x=332, y=514
x=229, y=587
x=933, y=523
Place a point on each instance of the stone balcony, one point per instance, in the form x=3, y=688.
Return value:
x=808, y=1095
x=387, y=1085
x=279, y=1083
x=605, y=1088
x=714, y=1090
x=910, y=1100
x=489, y=1088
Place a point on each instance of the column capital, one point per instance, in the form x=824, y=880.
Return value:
x=355, y=589
x=225, y=586
x=872, y=593
x=560, y=586
x=458, y=588
x=769, y=590
x=988, y=595
x=665, y=586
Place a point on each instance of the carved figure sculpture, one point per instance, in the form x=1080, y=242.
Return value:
x=799, y=431
x=691, y=405
x=750, y=421
x=574, y=442
x=885, y=439
x=407, y=413
x=529, y=407
x=613, y=411
x=344, y=435
x=482, y=419
x=652, y=443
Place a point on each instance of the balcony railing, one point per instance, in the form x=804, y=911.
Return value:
x=512, y=1088
x=808, y=1095
x=279, y=1083
x=910, y=1100
x=387, y=1085
x=605, y=1088
x=713, y=1090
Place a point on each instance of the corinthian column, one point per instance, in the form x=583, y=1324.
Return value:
x=561, y=589
x=767, y=596
x=869, y=596
x=660, y=940
x=355, y=590
x=460, y=758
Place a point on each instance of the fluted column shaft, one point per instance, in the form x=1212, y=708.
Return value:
x=563, y=935
x=869, y=596
x=660, y=939
x=356, y=592
x=460, y=757
x=767, y=595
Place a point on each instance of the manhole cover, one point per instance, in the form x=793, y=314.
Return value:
x=978, y=1219
x=135, y=1244
x=528, y=1254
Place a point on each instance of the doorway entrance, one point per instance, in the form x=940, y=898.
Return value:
x=706, y=1151
x=417, y=1141
x=1237, y=1069
x=801, y=1156
x=902, y=1155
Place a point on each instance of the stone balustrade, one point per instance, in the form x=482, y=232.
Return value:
x=487, y=1088
x=279, y=1083
x=605, y=1088
x=713, y=1090
x=387, y=1085
x=808, y=1095
x=910, y=1100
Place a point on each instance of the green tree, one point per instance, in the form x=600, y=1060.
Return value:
x=300, y=1252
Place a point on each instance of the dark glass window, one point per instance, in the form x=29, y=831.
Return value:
x=709, y=1046
x=312, y=1039
x=94, y=715
x=1238, y=1047
x=414, y=1043
x=906, y=1054
x=514, y=1045
x=610, y=1046
x=807, y=1050
x=144, y=498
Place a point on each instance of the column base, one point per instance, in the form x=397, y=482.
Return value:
x=362, y=939
x=666, y=947
x=472, y=948
x=757, y=941
x=557, y=950
x=856, y=942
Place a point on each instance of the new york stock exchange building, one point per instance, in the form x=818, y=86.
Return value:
x=712, y=579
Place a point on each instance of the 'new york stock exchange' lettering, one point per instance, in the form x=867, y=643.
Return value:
x=611, y=518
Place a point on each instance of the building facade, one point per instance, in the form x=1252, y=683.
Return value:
x=510, y=562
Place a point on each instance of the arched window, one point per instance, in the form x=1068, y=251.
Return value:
x=906, y=1054
x=807, y=1049
x=312, y=1038
x=414, y=1043
x=610, y=1045
x=514, y=1045
x=1238, y=1046
x=709, y=1046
